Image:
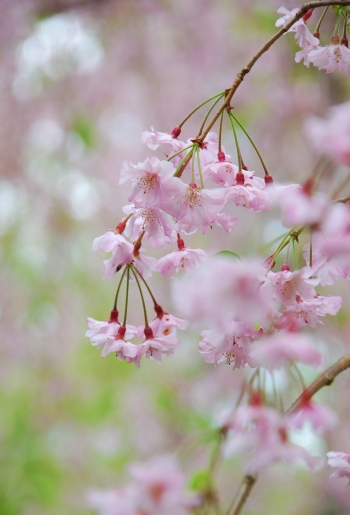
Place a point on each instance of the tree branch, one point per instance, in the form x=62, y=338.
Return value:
x=325, y=379
x=246, y=69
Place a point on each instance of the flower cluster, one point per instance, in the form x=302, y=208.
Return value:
x=334, y=56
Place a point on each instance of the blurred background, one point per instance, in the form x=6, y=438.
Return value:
x=79, y=81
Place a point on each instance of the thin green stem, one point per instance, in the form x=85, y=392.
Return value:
x=345, y=24
x=192, y=168
x=294, y=254
x=179, y=152
x=208, y=113
x=252, y=143
x=179, y=169
x=198, y=107
x=142, y=297
x=118, y=289
x=336, y=28
x=220, y=131
x=127, y=294
x=239, y=155
x=310, y=255
x=319, y=23
x=200, y=169
x=145, y=283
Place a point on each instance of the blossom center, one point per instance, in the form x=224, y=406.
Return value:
x=148, y=182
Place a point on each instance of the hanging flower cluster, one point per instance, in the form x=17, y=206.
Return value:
x=250, y=313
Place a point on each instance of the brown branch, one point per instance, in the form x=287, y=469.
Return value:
x=325, y=379
x=246, y=69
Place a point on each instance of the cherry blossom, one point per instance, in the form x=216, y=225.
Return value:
x=289, y=284
x=167, y=142
x=249, y=191
x=330, y=136
x=153, y=222
x=260, y=433
x=319, y=416
x=281, y=348
x=185, y=260
x=331, y=57
x=299, y=206
x=224, y=288
x=231, y=346
x=115, y=339
x=146, y=181
x=155, y=347
x=163, y=324
x=190, y=206
x=307, y=312
x=341, y=462
x=122, y=251
x=302, y=33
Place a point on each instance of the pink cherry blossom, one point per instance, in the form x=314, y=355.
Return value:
x=146, y=181
x=300, y=207
x=281, y=348
x=185, y=260
x=157, y=347
x=319, y=416
x=302, y=33
x=341, y=462
x=160, y=487
x=224, y=288
x=289, y=284
x=154, y=222
x=190, y=206
x=113, y=338
x=231, y=346
x=330, y=58
x=307, y=312
x=222, y=172
x=330, y=136
x=163, y=324
x=260, y=433
x=122, y=251
x=167, y=142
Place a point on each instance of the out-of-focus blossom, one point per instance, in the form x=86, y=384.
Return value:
x=341, y=462
x=319, y=416
x=299, y=207
x=231, y=346
x=225, y=288
x=156, y=487
x=331, y=136
x=282, y=348
x=146, y=181
x=331, y=246
x=260, y=433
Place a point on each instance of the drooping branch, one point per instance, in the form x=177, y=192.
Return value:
x=246, y=69
x=325, y=379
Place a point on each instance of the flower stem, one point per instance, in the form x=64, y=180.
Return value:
x=239, y=156
x=145, y=283
x=319, y=23
x=208, y=113
x=198, y=107
x=253, y=144
x=200, y=169
x=142, y=297
x=118, y=289
x=179, y=152
x=183, y=163
x=220, y=132
x=127, y=294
